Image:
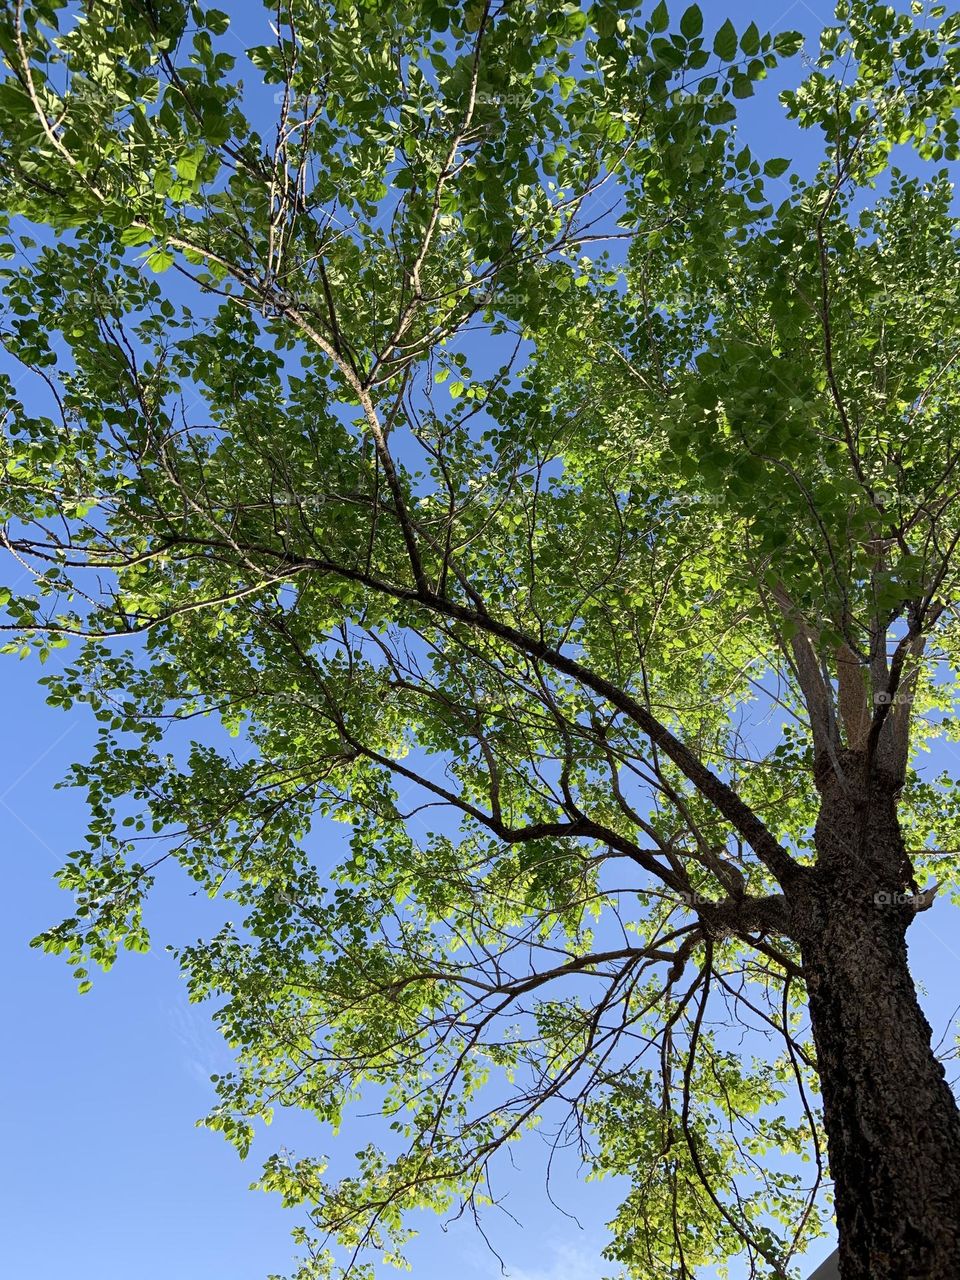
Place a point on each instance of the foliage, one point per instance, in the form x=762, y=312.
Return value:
x=444, y=402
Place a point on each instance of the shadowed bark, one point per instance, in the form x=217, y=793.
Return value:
x=892, y=1122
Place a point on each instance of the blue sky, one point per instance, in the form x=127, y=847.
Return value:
x=105, y=1175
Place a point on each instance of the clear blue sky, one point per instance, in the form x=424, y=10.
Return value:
x=104, y=1175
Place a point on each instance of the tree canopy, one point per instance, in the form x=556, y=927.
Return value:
x=444, y=401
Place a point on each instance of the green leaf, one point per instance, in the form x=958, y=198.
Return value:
x=774, y=168
x=721, y=113
x=605, y=19
x=189, y=162
x=576, y=24
x=136, y=235
x=691, y=24
x=217, y=21
x=750, y=40
x=725, y=42
x=159, y=260
x=660, y=18
x=788, y=43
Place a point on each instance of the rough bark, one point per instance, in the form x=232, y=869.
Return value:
x=892, y=1122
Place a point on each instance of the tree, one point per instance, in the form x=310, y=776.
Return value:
x=534, y=481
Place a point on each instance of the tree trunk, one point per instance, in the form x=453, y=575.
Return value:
x=892, y=1122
